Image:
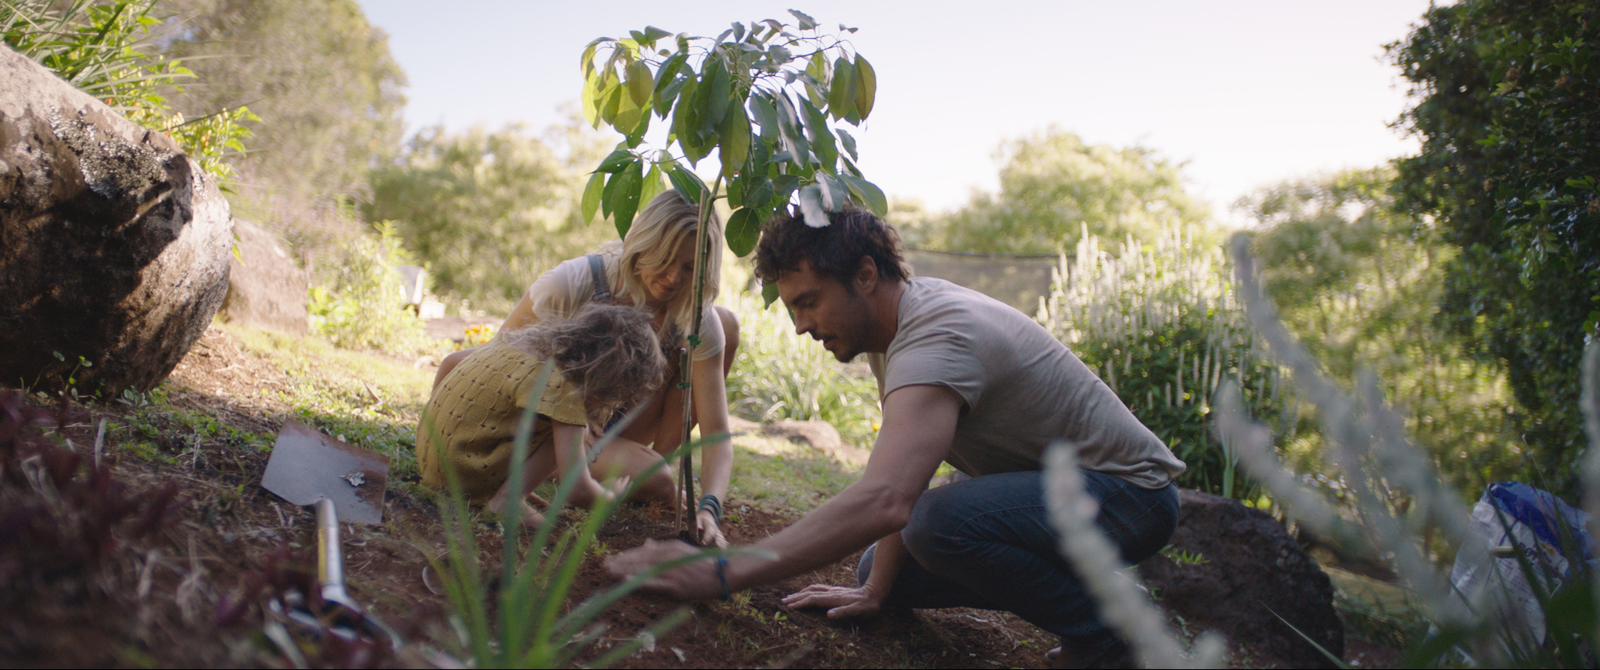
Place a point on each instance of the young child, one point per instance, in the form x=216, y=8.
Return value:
x=606, y=357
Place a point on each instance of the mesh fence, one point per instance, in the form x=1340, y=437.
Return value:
x=1017, y=280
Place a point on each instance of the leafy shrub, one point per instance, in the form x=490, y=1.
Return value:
x=1367, y=441
x=1358, y=282
x=360, y=305
x=101, y=48
x=1160, y=326
x=782, y=375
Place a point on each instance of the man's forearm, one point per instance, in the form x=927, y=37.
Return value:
x=840, y=527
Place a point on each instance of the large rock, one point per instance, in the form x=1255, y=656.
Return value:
x=114, y=244
x=265, y=288
x=1247, y=574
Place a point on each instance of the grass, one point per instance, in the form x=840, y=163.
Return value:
x=370, y=401
x=783, y=476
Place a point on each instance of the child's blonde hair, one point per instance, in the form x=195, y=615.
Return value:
x=650, y=243
x=609, y=351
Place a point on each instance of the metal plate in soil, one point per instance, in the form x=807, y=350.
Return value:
x=307, y=465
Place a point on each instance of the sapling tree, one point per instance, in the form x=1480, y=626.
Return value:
x=767, y=97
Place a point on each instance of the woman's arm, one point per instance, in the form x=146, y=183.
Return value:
x=716, y=464
x=570, y=446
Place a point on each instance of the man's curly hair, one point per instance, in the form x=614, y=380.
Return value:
x=609, y=351
x=834, y=251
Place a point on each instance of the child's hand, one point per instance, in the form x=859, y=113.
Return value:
x=589, y=493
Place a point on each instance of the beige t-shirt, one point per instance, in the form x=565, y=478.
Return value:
x=1022, y=388
x=559, y=293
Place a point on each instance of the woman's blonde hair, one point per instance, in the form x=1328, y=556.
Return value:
x=655, y=235
x=609, y=351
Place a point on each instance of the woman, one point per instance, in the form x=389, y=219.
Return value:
x=605, y=357
x=653, y=267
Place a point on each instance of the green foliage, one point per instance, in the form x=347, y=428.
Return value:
x=1368, y=443
x=1505, y=93
x=360, y=305
x=1358, y=283
x=454, y=196
x=762, y=99
x=321, y=78
x=104, y=50
x=781, y=375
x=1160, y=326
x=1052, y=185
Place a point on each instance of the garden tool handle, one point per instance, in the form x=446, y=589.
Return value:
x=330, y=557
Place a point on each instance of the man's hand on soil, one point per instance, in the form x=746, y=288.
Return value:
x=695, y=581
x=843, y=602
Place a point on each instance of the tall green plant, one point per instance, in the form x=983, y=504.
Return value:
x=106, y=50
x=360, y=304
x=1161, y=328
x=762, y=100
x=764, y=97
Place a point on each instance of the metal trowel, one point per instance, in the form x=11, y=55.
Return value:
x=341, y=482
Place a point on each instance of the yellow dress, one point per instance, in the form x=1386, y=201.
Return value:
x=474, y=415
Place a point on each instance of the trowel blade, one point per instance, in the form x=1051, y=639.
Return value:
x=307, y=465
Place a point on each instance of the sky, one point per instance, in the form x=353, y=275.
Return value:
x=1244, y=93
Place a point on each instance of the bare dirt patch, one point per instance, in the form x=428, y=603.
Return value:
x=157, y=599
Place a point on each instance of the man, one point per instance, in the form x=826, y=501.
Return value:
x=964, y=379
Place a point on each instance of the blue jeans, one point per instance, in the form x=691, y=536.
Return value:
x=987, y=543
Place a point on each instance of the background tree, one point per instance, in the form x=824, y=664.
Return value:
x=1505, y=93
x=321, y=78
x=1052, y=184
x=489, y=210
x=1358, y=282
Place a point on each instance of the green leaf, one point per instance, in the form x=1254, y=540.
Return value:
x=651, y=35
x=783, y=186
x=738, y=31
x=812, y=208
x=586, y=62
x=868, y=193
x=636, y=135
x=591, y=195
x=654, y=184
x=758, y=191
x=734, y=142
x=848, y=142
x=715, y=93
x=821, y=139
x=591, y=100
x=735, y=191
x=818, y=80
x=842, y=94
x=687, y=183
x=793, y=132
x=611, y=98
x=669, y=95
x=769, y=293
x=640, y=82
x=806, y=22
x=834, y=193
x=744, y=230
x=866, y=87
x=766, y=115
x=622, y=194
x=615, y=161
